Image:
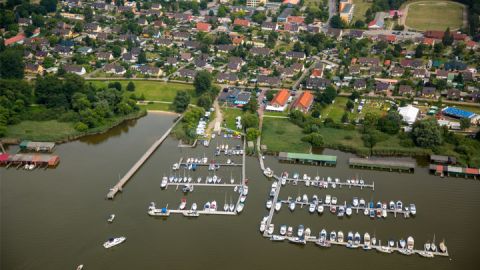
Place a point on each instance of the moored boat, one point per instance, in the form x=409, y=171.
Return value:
x=366, y=241
x=114, y=241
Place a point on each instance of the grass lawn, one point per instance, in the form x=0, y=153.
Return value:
x=435, y=15
x=361, y=7
x=157, y=107
x=40, y=130
x=229, y=115
x=335, y=110
x=154, y=90
x=281, y=135
x=283, y=114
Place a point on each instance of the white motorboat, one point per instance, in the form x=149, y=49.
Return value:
x=312, y=208
x=355, y=201
x=402, y=243
x=300, y=231
x=361, y=202
x=270, y=229
x=340, y=237
x=111, y=218
x=348, y=211
x=269, y=204
x=366, y=241
x=268, y=172
x=283, y=229
x=291, y=206
x=213, y=206
x=334, y=200
x=243, y=198
x=356, y=239
x=240, y=207
x=307, y=232
x=443, y=247
x=278, y=206
x=226, y=207
x=413, y=209
x=305, y=198
x=183, y=203
x=410, y=243
x=289, y=231
x=366, y=212
x=277, y=238
x=194, y=207
x=433, y=246
x=164, y=182
x=320, y=209
x=350, y=240
x=245, y=190
x=80, y=267
x=297, y=240
x=175, y=166
x=114, y=241
x=328, y=199
x=333, y=236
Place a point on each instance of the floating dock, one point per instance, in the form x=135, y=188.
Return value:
x=204, y=184
x=118, y=187
x=314, y=239
x=203, y=212
x=380, y=164
x=18, y=160
x=318, y=183
x=208, y=164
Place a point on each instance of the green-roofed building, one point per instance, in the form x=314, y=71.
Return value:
x=308, y=158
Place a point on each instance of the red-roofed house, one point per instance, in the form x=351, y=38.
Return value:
x=304, y=102
x=295, y=19
x=18, y=39
x=428, y=41
x=203, y=27
x=241, y=22
x=471, y=45
x=317, y=73
x=291, y=2
x=279, y=102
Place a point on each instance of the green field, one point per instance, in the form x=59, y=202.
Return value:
x=40, y=130
x=361, y=7
x=335, y=110
x=282, y=135
x=154, y=90
x=435, y=15
x=229, y=115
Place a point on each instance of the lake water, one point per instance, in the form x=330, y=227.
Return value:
x=56, y=218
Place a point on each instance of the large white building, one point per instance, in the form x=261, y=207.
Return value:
x=409, y=114
x=255, y=3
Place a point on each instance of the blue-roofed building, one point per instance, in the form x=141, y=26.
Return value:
x=458, y=113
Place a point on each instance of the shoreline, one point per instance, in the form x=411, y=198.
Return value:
x=76, y=136
x=162, y=112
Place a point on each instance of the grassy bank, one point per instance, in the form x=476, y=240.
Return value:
x=154, y=90
x=55, y=131
x=280, y=134
x=158, y=107
x=229, y=116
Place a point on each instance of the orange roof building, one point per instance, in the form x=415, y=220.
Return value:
x=18, y=39
x=295, y=19
x=241, y=22
x=203, y=27
x=304, y=102
x=279, y=102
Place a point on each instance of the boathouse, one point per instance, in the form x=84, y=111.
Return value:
x=381, y=164
x=437, y=159
x=325, y=160
x=443, y=170
x=21, y=159
x=37, y=146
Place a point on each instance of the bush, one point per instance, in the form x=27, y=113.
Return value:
x=79, y=126
x=347, y=137
x=69, y=116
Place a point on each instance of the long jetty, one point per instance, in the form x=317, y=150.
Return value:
x=118, y=187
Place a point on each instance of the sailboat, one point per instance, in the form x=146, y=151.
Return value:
x=231, y=178
x=164, y=182
x=433, y=246
x=225, y=205
x=231, y=207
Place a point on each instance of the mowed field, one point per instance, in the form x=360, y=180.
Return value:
x=361, y=7
x=435, y=15
x=154, y=90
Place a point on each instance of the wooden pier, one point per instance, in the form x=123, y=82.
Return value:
x=118, y=187
x=203, y=184
x=318, y=183
x=208, y=164
x=203, y=212
x=354, y=208
x=314, y=239
x=272, y=209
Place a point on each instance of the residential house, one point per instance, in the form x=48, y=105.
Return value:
x=227, y=78
x=114, y=69
x=241, y=22
x=129, y=57
x=317, y=83
x=33, y=68
x=295, y=55
x=397, y=71
x=279, y=102
x=381, y=87
x=269, y=26
x=304, y=102
x=260, y=51
x=264, y=80
x=441, y=74
x=420, y=73
x=150, y=70
x=186, y=56
x=360, y=84
x=429, y=92
x=203, y=27
x=235, y=64
x=104, y=56
x=79, y=70
x=187, y=73
x=454, y=94
x=405, y=90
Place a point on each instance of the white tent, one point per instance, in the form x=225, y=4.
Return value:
x=409, y=113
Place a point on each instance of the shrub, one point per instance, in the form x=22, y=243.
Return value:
x=79, y=126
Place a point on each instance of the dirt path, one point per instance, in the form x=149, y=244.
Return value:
x=216, y=123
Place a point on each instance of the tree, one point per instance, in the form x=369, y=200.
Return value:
x=249, y=120
x=447, y=39
x=438, y=48
x=315, y=139
x=370, y=139
x=181, y=101
x=337, y=22
x=390, y=123
x=426, y=133
x=251, y=106
x=202, y=82
x=29, y=30
x=49, y=5
x=142, y=57
x=465, y=123
x=354, y=95
x=350, y=105
x=252, y=134
x=116, y=51
x=419, y=51
x=204, y=101
x=328, y=96
x=131, y=86
x=259, y=17
x=115, y=85
x=222, y=11
x=370, y=121
x=11, y=64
